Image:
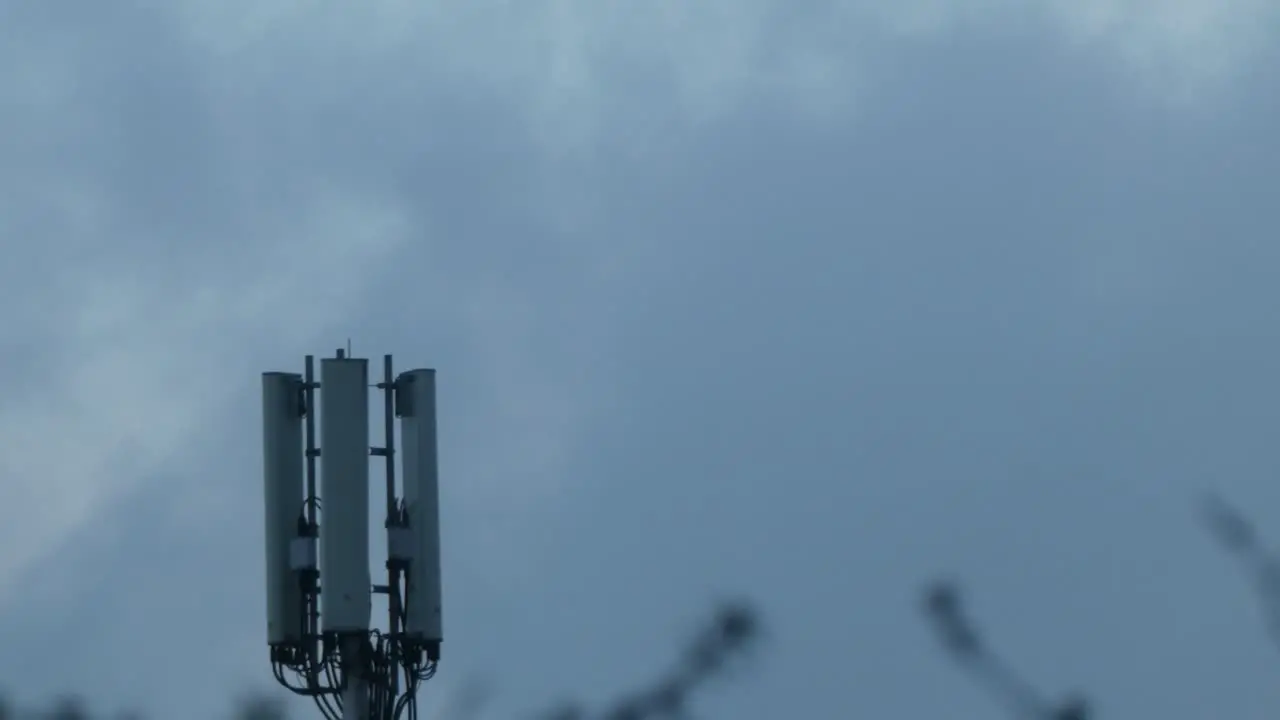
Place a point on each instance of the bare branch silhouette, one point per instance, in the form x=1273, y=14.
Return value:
x=733, y=629
x=1237, y=536
x=960, y=638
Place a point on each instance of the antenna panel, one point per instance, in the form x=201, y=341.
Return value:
x=282, y=480
x=344, y=491
x=419, y=456
x=320, y=628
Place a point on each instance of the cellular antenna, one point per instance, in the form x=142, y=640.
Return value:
x=323, y=643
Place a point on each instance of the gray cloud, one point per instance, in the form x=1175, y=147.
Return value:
x=723, y=300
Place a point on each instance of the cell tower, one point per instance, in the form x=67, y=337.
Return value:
x=323, y=643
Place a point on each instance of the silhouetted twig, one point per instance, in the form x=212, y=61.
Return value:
x=1236, y=534
x=734, y=628
x=961, y=639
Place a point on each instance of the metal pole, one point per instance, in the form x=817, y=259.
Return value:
x=310, y=390
x=313, y=606
x=393, y=572
x=389, y=419
x=355, y=698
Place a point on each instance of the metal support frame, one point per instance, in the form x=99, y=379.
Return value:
x=355, y=675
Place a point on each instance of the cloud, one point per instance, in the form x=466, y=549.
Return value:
x=148, y=257
x=1178, y=47
x=180, y=184
x=137, y=361
x=553, y=202
x=582, y=69
x=192, y=195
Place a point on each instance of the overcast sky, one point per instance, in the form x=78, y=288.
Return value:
x=805, y=301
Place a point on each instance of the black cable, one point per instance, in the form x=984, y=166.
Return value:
x=325, y=678
x=277, y=669
x=410, y=696
x=325, y=709
x=323, y=702
x=328, y=696
x=320, y=700
x=378, y=686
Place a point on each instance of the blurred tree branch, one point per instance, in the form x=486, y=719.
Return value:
x=731, y=631
x=961, y=639
x=1238, y=537
x=733, y=628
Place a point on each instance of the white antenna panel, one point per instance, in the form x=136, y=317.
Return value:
x=282, y=474
x=320, y=631
x=344, y=493
x=422, y=501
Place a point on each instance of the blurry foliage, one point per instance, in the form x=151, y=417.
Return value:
x=961, y=639
x=733, y=628
x=944, y=608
